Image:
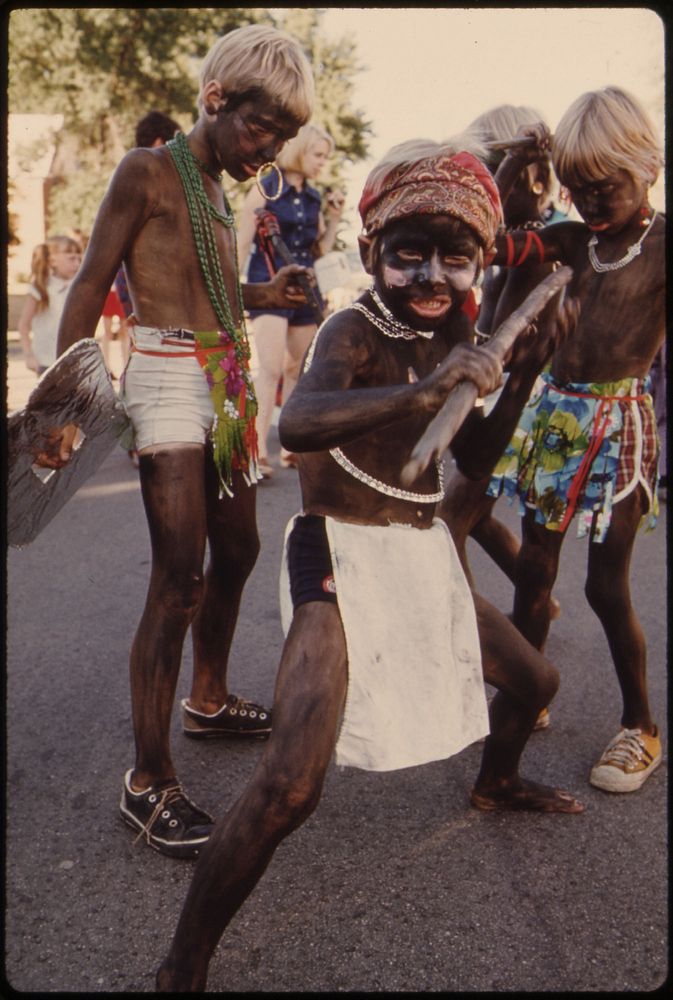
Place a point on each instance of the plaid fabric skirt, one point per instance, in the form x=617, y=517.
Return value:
x=580, y=448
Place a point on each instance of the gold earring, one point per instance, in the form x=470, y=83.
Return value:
x=258, y=180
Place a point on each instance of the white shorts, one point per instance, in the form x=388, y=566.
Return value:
x=166, y=398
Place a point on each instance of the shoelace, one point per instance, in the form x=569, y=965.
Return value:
x=627, y=748
x=240, y=703
x=168, y=795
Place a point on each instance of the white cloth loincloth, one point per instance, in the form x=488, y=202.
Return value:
x=415, y=684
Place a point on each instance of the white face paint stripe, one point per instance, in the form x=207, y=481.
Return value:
x=394, y=278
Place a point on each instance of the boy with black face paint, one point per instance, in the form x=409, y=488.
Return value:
x=586, y=446
x=381, y=660
x=189, y=396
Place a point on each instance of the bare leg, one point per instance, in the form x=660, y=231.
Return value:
x=172, y=487
x=460, y=510
x=283, y=791
x=468, y=511
x=234, y=547
x=270, y=335
x=298, y=342
x=526, y=682
x=536, y=570
x=609, y=595
x=497, y=540
x=502, y=546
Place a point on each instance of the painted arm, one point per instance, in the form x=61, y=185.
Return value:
x=481, y=440
x=124, y=210
x=538, y=246
x=331, y=405
x=531, y=143
x=120, y=216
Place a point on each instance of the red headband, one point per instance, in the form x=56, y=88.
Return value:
x=458, y=185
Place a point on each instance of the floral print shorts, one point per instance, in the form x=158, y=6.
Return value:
x=579, y=448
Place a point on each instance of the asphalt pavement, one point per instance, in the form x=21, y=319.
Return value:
x=395, y=884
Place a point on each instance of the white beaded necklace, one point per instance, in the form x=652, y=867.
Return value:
x=615, y=265
x=392, y=328
x=387, y=323
x=390, y=491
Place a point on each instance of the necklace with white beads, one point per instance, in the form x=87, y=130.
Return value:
x=387, y=323
x=630, y=254
x=390, y=491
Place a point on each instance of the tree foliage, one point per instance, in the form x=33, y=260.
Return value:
x=104, y=68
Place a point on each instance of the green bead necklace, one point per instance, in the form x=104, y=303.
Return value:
x=233, y=431
x=201, y=214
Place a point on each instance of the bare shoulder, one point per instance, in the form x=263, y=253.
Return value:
x=143, y=174
x=345, y=334
x=140, y=163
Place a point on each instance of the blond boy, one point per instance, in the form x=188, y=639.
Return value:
x=586, y=446
x=188, y=393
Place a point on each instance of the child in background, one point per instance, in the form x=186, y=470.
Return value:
x=53, y=266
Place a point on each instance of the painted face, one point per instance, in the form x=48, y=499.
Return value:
x=315, y=158
x=425, y=267
x=250, y=133
x=611, y=203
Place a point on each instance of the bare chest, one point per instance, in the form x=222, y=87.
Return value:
x=621, y=322
x=400, y=361
x=182, y=268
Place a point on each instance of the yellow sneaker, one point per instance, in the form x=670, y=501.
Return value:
x=627, y=762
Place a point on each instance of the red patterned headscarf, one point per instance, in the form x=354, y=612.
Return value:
x=458, y=185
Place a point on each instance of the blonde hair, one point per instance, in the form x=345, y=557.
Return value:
x=258, y=56
x=40, y=264
x=291, y=156
x=500, y=124
x=602, y=132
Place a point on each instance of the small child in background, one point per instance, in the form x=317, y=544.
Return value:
x=53, y=266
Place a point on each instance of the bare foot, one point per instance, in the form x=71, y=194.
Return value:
x=526, y=795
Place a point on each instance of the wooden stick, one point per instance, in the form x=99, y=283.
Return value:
x=443, y=427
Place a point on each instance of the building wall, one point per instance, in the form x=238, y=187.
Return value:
x=31, y=147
